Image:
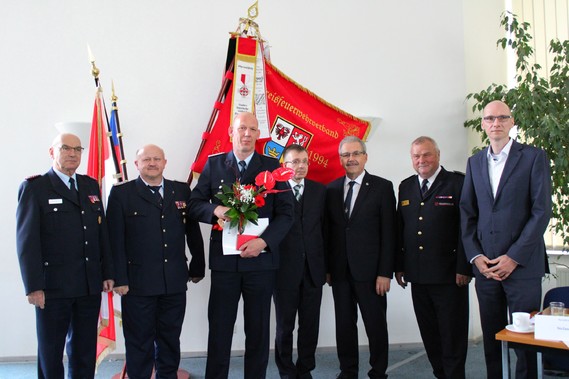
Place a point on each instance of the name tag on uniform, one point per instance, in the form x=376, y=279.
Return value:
x=404, y=203
x=55, y=201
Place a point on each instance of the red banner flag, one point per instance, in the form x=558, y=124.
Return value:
x=98, y=153
x=98, y=146
x=296, y=116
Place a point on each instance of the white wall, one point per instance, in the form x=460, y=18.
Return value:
x=401, y=61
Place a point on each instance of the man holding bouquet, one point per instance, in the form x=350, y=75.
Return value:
x=251, y=273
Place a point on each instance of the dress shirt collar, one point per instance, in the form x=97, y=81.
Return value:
x=502, y=154
x=292, y=183
x=161, y=185
x=247, y=160
x=358, y=180
x=430, y=179
x=64, y=178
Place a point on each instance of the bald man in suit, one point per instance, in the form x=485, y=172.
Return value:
x=505, y=209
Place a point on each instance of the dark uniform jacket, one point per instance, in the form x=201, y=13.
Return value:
x=149, y=241
x=222, y=169
x=62, y=243
x=366, y=242
x=430, y=247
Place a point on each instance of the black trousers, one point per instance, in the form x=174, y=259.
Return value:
x=72, y=319
x=256, y=287
x=152, y=327
x=348, y=295
x=304, y=301
x=498, y=300
x=442, y=316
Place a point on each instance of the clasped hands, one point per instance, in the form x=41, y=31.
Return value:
x=249, y=249
x=498, y=269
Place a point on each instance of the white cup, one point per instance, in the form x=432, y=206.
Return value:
x=520, y=320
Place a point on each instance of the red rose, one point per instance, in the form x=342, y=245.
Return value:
x=259, y=201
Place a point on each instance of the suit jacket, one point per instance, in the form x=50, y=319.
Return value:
x=514, y=222
x=366, y=242
x=430, y=247
x=63, y=245
x=304, y=243
x=149, y=241
x=222, y=169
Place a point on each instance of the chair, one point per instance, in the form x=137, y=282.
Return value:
x=555, y=365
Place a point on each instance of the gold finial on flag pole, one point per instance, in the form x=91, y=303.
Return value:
x=113, y=96
x=253, y=11
x=94, y=70
x=246, y=24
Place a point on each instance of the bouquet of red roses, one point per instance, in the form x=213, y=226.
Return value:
x=244, y=200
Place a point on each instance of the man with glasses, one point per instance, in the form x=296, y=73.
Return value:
x=65, y=260
x=361, y=236
x=505, y=209
x=302, y=271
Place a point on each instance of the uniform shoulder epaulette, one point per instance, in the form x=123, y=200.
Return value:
x=459, y=173
x=33, y=177
x=121, y=183
x=409, y=178
x=215, y=155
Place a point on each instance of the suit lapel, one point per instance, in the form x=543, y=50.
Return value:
x=511, y=162
x=231, y=164
x=483, y=162
x=168, y=194
x=254, y=166
x=438, y=182
x=360, y=199
x=144, y=192
x=61, y=188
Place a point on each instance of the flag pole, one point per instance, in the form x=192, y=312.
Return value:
x=245, y=23
x=121, y=171
x=95, y=72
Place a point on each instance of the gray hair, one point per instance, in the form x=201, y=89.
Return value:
x=350, y=139
x=423, y=139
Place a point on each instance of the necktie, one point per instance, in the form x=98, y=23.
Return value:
x=348, y=201
x=156, y=192
x=297, y=193
x=424, y=187
x=242, y=167
x=73, y=189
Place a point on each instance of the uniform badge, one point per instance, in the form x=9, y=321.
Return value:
x=404, y=203
x=180, y=204
x=99, y=219
x=446, y=201
x=94, y=199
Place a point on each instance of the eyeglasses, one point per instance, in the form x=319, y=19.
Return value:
x=501, y=118
x=67, y=149
x=298, y=162
x=355, y=154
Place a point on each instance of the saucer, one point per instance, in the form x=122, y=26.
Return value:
x=512, y=328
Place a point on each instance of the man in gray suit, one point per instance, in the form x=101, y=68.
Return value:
x=505, y=208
